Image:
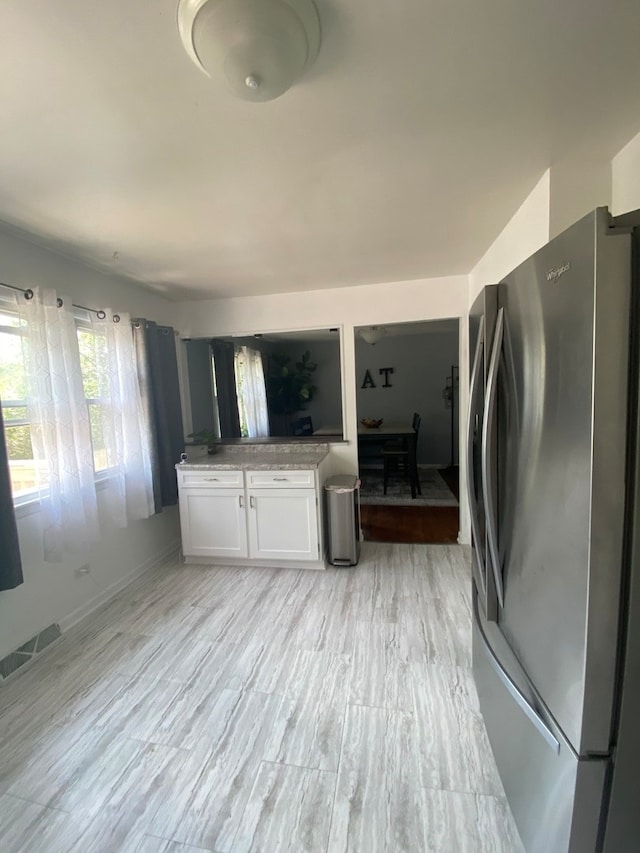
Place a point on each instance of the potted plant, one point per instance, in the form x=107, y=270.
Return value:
x=290, y=385
x=205, y=436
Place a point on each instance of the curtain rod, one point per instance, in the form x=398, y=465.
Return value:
x=28, y=294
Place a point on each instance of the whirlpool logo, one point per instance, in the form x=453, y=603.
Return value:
x=554, y=274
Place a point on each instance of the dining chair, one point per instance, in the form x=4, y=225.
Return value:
x=398, y=458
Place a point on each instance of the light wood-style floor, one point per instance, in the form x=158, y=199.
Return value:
x=259, y=710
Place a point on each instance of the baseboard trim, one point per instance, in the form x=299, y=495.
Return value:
x=113, y=589
x=246, y=562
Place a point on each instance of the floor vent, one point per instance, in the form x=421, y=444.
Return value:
x=27, y=652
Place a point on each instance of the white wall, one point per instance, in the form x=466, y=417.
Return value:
x=578, y=184
x=525, y=233
x=346, y=308
x=625, y=178
x=52, y=592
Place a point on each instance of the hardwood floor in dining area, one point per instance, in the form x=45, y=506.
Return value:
x=414, y=524
x=233, y=709
x=410, y=524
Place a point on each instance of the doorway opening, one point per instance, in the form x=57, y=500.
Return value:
x=407, y=407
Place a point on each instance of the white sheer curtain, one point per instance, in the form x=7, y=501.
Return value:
x=60, y=430
x=252, y=393
x=129, y=486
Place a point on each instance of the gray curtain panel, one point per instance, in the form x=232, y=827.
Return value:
x=158, y=376
x=10, y=561
x=223, y=353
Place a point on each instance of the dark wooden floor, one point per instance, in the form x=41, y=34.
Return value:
x=414, y=524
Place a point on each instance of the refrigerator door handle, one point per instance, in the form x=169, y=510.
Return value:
x=487, y=456
x=471, y=490
x=514, y=691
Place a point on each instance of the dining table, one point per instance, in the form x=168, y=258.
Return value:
x=369, y=436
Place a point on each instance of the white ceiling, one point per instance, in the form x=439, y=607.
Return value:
x=401, y=154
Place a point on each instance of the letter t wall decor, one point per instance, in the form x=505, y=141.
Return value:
x=368, y=382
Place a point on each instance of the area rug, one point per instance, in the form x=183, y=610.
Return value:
x=435, y=491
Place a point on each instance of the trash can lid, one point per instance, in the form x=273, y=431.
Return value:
x=342, y=483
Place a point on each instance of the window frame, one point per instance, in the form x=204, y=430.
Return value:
x=31, y=496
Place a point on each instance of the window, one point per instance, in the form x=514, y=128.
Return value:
x=95, y=377
x=93, y=362
x=22, y=465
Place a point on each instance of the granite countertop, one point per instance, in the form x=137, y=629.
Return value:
x=284, y=457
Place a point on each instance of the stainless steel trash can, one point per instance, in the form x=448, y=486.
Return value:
x=342, y=497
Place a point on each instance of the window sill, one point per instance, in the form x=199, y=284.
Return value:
x=30, y=504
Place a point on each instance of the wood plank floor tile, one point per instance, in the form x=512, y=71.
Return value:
x=26, y=826
x=18, y=752
x=196, y=718
x=436, y=632
x=453, y=747
x=384, y=582
x=380, y=674
x=53, y=684
x=211, y=790
x=65, y=757
x=307, y=729
x=183, y=659
x=138, y=709
x=150, y=844
x=468, y=823
x=378, y=803
x=289, y=810
x=118, y=800
x=327, y=627
x=261, y=664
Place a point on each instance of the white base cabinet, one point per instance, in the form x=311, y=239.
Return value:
x=268, y=517
x=283, y=524
x=213, y=522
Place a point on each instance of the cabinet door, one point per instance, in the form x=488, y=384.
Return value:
x=283, y=524
x=213, y=523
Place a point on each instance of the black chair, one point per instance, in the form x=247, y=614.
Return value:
x=398, y=458
x=302, y=426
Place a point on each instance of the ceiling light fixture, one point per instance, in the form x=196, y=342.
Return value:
x=261, y=47
x=372, y=334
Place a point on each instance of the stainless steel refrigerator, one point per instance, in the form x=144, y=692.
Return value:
x=552, y=450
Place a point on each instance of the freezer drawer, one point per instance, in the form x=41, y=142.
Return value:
x=554, y=796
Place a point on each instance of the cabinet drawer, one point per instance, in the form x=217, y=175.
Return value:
x=281, y=479
x=213, y=478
